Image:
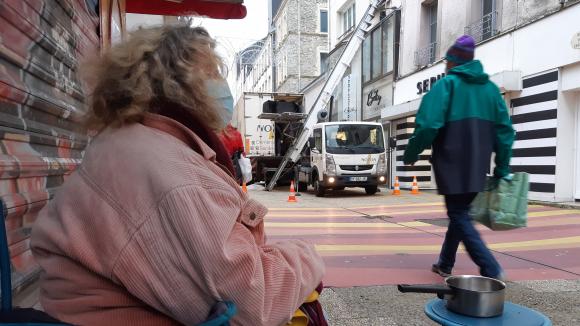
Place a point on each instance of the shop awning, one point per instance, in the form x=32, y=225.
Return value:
x=218, y=9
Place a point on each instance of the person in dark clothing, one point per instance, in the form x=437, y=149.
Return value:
x=464, y=118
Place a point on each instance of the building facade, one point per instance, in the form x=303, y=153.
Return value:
x=530, y=49
x=366, y=85
x=253, y=68
x=300, y=43
x=529, y=53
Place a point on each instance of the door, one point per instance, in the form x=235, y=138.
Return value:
x=316, y=153
x=386, y=137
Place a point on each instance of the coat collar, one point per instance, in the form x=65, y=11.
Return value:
x=180, y=132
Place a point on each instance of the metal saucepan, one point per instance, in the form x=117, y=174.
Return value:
x=475, y=296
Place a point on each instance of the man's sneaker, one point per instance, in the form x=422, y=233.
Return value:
x=501, y=276
x=437, y=270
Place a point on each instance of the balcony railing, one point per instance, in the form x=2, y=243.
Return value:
x=485, y=28
x=426, y=55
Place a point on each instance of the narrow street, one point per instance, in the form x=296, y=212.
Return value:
x=371, y=243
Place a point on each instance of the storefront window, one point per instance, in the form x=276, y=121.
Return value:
x=366, y=57
x=388, y=46
x=377, y=55
x=378, y=51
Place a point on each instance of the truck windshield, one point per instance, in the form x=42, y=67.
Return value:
x=354, y=139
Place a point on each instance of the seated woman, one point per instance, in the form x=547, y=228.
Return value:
x=152, y=229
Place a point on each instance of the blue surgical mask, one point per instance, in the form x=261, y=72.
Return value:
x=220, y=91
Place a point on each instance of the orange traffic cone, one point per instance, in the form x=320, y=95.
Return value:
x=244, y=187
x=292, y=196
x=397, y=190
x=415, y=188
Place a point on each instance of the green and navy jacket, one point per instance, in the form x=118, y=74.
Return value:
x=464, y=118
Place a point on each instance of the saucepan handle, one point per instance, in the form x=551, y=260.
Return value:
x=439, y=289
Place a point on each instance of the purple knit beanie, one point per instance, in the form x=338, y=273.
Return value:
x=462, y=51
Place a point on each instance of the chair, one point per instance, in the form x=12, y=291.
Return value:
x=220, y=314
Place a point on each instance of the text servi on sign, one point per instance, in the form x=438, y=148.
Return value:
x=425, y=85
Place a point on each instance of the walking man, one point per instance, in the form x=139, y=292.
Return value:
x=464, y=119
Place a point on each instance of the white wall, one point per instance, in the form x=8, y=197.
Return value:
x=452, y=23
x=543, y=45
x=311, y=94
x=406, y=88
x=565, y=155
x=538, y=47
x=568, y=155
x=410, y=24
x=334, y=21
x=571, y=78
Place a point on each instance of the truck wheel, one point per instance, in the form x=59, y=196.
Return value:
x=302, y=186
x=371, y=190
x=318, y=189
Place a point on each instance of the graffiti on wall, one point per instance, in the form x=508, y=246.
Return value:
x=41, y=102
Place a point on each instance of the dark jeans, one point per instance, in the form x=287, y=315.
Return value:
x=461, y=229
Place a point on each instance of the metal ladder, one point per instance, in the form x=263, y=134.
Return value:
x=354, y=43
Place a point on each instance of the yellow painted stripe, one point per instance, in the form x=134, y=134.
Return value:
x=331, y=225
x=302, y=215
x=573, y=222
x=540, y=222
x=374, y=248
x=354, y=208
x=322, y=209
x=435, y=203
x=401, y=213
x=394, y=213
x=343, y=225
x=532, y=244
x=553, y=213
x=415, y=224
x=283, y=232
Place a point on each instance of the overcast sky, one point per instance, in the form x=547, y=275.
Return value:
x=236, y=34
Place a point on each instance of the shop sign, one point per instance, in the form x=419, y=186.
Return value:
x=374, y=96
x=425, y=85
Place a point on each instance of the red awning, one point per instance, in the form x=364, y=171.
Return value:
x=219, y=9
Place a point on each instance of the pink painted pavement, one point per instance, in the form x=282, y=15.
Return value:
x=391, y=244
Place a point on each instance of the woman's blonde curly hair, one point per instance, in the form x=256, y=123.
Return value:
x=167, y=64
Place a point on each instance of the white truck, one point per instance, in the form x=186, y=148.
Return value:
x=268, y=123
x=257, y=134
x=337, y=155
x=343, y=154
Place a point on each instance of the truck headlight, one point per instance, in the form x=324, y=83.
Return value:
x=382, y=165
x=330, y=166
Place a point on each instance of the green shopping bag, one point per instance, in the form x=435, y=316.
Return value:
x=503, y=205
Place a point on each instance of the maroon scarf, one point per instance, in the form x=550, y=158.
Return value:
x=185, y=117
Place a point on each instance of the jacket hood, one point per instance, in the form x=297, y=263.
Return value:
x=471, y=72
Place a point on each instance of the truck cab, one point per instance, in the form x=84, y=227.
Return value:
x=344, y=154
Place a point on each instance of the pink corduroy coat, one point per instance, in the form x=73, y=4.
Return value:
x=148, y=231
